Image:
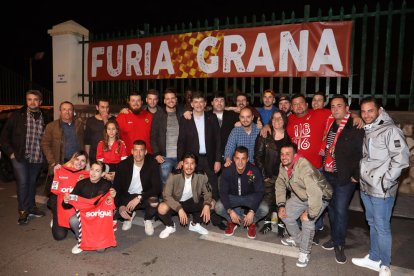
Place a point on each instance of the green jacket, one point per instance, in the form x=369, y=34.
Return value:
x=174, y=188
x=307, y=183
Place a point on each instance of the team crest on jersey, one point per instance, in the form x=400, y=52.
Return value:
x=146, y=120
x=81, y=177
x=55, y=185
x=73, y=197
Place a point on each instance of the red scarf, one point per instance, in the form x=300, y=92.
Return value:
x=289, y=170
x=329, y=158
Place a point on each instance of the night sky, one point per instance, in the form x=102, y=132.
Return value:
x=26, y=33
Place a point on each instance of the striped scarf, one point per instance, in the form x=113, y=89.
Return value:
x=330, y=149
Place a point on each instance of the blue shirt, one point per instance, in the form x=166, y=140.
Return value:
x=266, y=113
x=71, y=144
x=239, y=137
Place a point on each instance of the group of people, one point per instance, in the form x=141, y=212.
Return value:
x=238, y=165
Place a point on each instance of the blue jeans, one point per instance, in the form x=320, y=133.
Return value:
x=26, y=176
x=166, y=168
x=338, y=207
x=378, y=211
x=236, y=202
x=303, y=238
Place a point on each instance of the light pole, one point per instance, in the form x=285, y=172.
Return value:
x=37, y=56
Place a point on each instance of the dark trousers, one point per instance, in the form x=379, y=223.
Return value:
x=58, y=232
x=190, y=207
x=149, y=211
x=212, y=177
x=26, y=176
x=270, y=197
x=338, y=207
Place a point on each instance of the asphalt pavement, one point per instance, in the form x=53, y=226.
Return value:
x=31, y=249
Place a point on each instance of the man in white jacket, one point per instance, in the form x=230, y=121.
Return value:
x=385, y=154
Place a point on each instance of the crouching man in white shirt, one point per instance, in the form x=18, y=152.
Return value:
x=186, y=193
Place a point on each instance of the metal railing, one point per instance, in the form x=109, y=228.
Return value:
x=13, y=88
x=382, y=59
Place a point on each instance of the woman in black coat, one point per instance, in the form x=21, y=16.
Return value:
x=267, y=159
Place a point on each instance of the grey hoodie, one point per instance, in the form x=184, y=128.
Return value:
x=385, y=154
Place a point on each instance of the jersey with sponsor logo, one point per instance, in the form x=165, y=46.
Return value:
x=307, y=133
x=135, y=127
x=95, y=216
x=64, y=181
x=111, y=156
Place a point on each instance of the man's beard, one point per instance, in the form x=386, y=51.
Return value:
x=136, y=111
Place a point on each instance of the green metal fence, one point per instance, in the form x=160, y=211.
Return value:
x=382, y=59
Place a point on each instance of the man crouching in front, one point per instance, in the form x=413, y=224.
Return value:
x=310, y=194
x=186, y=193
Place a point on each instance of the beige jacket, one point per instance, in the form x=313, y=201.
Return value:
x=174, y=188
x=307, y=183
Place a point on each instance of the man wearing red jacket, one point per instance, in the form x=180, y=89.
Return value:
x=136, y=124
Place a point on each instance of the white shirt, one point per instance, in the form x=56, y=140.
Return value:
x=136, y=186
x=187, y=192
x=199, y=122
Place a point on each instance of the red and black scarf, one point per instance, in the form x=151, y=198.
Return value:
x=329, y=158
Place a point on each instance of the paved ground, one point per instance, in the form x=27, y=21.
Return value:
x=31, y=250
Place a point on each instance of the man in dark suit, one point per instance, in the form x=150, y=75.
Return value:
x=201, y=136
x=138, y=186
x=226, y=119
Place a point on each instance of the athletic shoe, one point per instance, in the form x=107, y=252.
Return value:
x=251, y=231
x=128, y=223
x=76, y=249
x=367, y=263
x=23, y=217
x=149, y=228
x=303, y=260
x=167, y=231
x=198, y=228
x=329, y=245
x=231, y=227
x=288, y=241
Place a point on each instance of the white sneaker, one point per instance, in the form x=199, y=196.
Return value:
x=303, y=260
x=289, y=241
x=367, y=263
x=76, y=249
x=167, y=231
x=128, y=223
x=198, y=228
x=149, y=228
x=385, y=271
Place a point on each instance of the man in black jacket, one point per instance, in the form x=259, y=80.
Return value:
x=20, y=140
x=164, y=133
x=201, y=136
x=226, y=119
x=341, y=150
x=137, y=183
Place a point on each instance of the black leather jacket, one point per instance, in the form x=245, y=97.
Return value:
x=267, y=155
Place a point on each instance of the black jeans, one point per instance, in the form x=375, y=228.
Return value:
x=58, y=232
x=143, y=205
x=190, y=207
